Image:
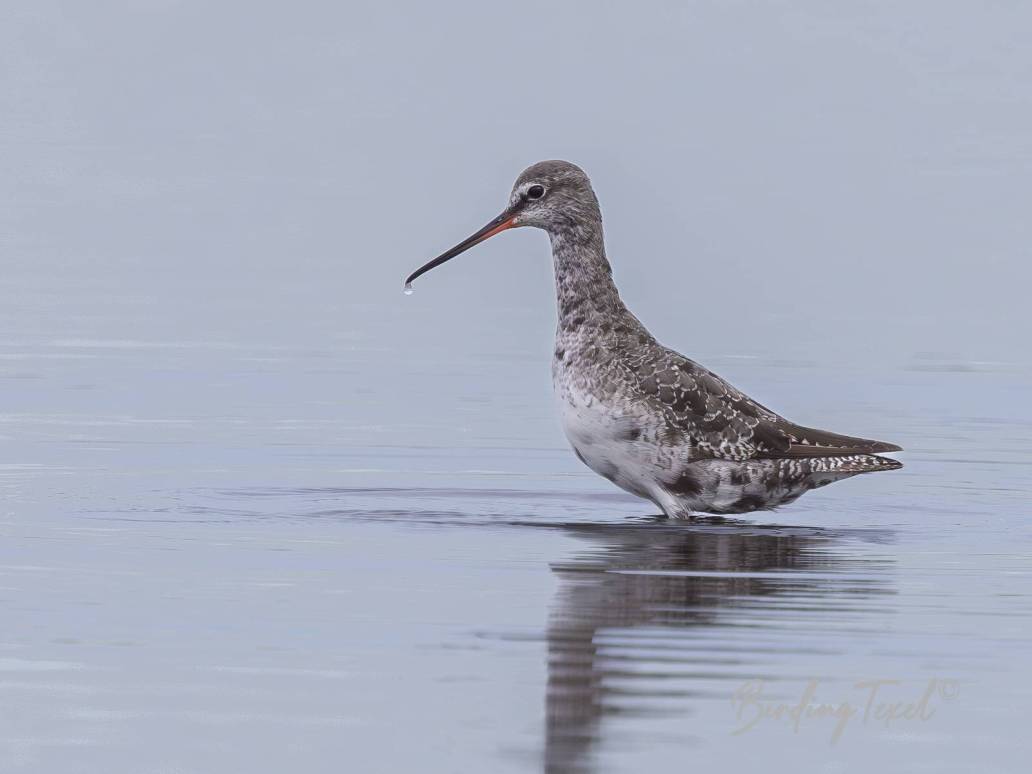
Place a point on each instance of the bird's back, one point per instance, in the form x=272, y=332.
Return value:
x=719, y=421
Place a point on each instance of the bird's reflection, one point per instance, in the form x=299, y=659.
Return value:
x=657, y=619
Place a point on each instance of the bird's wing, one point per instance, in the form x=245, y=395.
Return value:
x=810, y=442
x=720, y=421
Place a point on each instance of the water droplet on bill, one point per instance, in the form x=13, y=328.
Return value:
x=408, y=289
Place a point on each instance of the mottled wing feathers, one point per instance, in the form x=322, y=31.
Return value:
x=717, y=420
x=769, y=438
x=810, y=442
x=720, y=421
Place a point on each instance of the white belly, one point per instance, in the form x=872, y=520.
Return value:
x=609, y=442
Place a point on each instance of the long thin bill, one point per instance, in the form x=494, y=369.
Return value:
x=504, y=221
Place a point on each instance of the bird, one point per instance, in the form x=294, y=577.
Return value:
x=652, y=421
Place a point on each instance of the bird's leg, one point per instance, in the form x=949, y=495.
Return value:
x=685, y=514
x=674, y=508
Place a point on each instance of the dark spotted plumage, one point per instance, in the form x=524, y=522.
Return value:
x=719, y=421
x=645, y=417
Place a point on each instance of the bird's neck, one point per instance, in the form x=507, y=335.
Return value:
x=587, y=298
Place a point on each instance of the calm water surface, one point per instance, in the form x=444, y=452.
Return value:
x=260, y=512
x=326, y=547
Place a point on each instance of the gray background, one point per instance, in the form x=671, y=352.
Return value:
x=812, y=179
x=261, y=512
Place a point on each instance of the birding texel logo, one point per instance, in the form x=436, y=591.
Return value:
x=883, y=703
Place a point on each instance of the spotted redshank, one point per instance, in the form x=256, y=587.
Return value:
x=641, y=415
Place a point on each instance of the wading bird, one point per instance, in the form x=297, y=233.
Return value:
x=641, y=415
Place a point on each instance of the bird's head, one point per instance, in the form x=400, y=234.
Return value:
x=552, y=195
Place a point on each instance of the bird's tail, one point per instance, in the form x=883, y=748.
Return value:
x=852, y=464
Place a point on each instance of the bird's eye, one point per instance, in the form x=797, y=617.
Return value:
x=535, y=192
